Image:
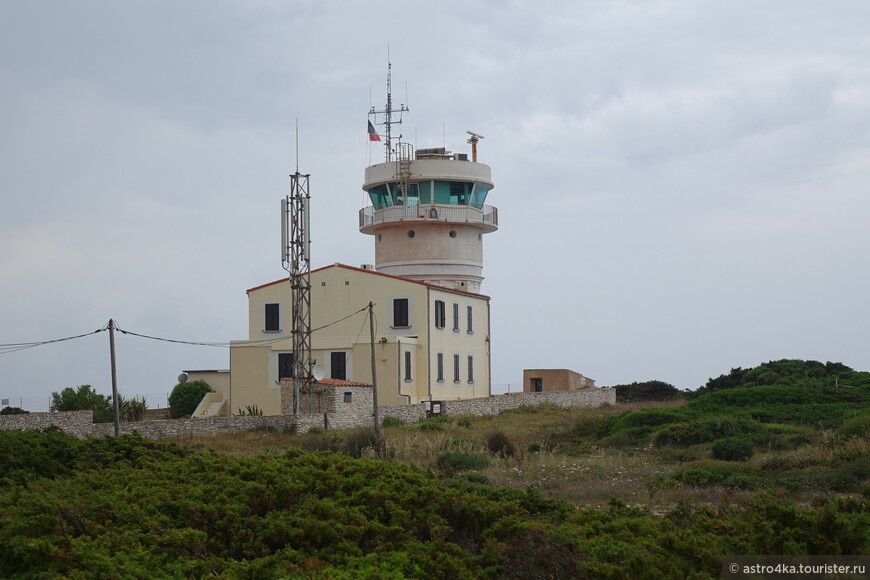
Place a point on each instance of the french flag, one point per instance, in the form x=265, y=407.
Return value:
x=373, y=135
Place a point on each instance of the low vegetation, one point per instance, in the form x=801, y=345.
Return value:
x=637, y=490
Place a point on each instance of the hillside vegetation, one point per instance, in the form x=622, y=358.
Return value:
x=655, y=490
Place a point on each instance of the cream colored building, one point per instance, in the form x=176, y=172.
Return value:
x=431, y=342
x=548, y=380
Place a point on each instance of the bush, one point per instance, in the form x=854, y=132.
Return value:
x=83, y=398
x=185, y=398
x=858, y=426
x=132, y=409
x=392, y=422
x=464, y=422
x=732, y=449
x=716, y=474
x=647, y=391
x=453, y=461
x=355, y=442
x=12, y=411
x=500, y=444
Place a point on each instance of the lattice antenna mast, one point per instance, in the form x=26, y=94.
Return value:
x=296, y=259
x=388, y=116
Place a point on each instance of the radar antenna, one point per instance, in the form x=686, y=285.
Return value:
x=475, y=137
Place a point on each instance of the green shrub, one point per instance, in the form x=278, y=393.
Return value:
x=732, y=449
x=474, y=478
x=717, y=474
x=12, y=411
x=453, y=461
x=464, y=422
x=858, y=426
x=250, y=411
x=315, y=431
x=83, y=398
x=500, y=444
x=534, y=448
x=392, y=422
x=186, y=397
x=647, y=391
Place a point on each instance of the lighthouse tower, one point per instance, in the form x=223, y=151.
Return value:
x=428, y=212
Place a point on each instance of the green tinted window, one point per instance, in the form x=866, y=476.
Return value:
x=442, y=192
x=478, y=196
x=379, y=196
x=425, y=188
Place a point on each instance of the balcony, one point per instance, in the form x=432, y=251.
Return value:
x=486, y=217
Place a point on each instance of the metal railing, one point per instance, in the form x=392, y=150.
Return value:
x=488, y=214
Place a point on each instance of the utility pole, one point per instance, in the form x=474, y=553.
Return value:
x=114, y=376
x=374, y=369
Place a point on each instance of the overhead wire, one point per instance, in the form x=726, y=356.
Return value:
x=16, y=346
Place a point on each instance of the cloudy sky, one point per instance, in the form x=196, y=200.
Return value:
x=682, y=184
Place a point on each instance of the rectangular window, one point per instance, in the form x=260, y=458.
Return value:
x=470, y=315
x=440, y=367
x=348, y=397
x=470, y=369
x=338, y=365
x=273, y=318
x=455, y=317
x=440, y=314
x=407, y=365
x=400, y=313
x=286, y=362
x=537, y=385
x=455, y=368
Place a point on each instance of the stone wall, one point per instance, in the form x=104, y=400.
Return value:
x=342, y=414
x=78, y=423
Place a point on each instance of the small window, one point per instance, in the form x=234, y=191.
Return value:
x=455, y=368
x=455, y=317
x=400, y=313
x=348, y=397
x=273, y=318
x=537, y=385
x=286, y=363
x=338, y=365
x=469, y=311
x=407, y=365
x=440, y=367
x=470, y=369
x=440, y=314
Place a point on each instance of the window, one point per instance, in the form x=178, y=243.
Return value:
x=440, y=367
x=407, y=365
x=469, y=311
x=537, y=385
x=440, y=314
x=455, y=317
x=338, y=365
x=470, y=369
x=348, y=397
x=286, y=363
x=273, y=318
x=400, y=313
x=455, y=368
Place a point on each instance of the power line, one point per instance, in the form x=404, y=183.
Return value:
x=16, y=346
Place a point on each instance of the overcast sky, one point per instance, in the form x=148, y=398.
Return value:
x=682, y=185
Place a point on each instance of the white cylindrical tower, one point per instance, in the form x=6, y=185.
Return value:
x=428, y=216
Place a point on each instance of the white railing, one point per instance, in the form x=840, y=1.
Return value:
x=488, y=215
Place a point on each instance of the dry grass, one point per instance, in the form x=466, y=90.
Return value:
x=556, y=451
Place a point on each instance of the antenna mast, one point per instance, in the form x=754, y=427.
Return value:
x=296, y=259
x=388, y=112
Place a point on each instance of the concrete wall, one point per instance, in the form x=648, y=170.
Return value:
x=556, y=380
x=340, y=414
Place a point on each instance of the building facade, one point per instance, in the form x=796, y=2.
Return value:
x=431, y=342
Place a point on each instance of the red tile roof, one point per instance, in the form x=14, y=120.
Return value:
x=376, y=273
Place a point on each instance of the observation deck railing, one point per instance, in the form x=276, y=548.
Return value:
x=486, y=216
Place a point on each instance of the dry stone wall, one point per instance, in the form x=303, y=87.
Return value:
x=344, y=412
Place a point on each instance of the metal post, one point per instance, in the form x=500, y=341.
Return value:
x=114, y=377
x=374, y=369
